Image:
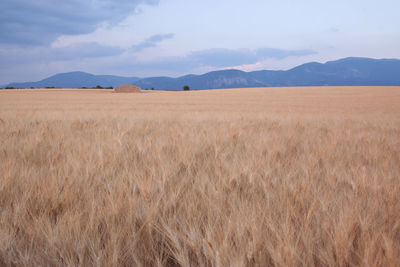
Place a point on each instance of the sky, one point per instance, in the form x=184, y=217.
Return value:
x=144, y=38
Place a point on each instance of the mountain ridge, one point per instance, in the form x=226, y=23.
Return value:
x=345, y=71
x=76, y=79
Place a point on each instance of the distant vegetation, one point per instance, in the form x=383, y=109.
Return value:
x=186, y=88
x=97, y=87
x=53, y=87
x=101, y=87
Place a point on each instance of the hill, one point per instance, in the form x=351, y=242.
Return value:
x=347, y=71
x=76, y=79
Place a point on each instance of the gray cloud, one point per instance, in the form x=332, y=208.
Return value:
x=275, y=53
x=45, y=54
x=229, y=58
x=27, y=22
x=214, y=58
x=36, y=54
x=332, y=30
x=23, y=55
x=152, y=41
x=109, y=59
x=223, y=57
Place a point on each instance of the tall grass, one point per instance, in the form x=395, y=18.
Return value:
x=204, y=191
x=261, y=192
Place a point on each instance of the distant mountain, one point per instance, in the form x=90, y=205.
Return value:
x=211, y=80
x=347, y=71
x=76, y=79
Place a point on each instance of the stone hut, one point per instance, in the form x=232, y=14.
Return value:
x=127, y=88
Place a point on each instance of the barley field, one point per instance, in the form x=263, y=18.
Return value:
x=241, y=177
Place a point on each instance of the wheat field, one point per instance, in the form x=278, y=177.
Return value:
x=241, y=177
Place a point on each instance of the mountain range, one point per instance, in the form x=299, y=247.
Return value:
x=347, y=71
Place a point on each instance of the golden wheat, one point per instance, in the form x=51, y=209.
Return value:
x=249, y=177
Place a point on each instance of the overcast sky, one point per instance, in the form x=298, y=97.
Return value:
x=145, y=38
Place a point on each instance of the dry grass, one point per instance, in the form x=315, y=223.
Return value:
x=279, y=177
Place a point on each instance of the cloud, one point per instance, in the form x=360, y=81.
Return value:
x=45, y=54
x=226, y=58
x=332, y=30
x=211, y=59
x=152, y=41
x=87, y=50
x=223, y=57
x=23, y=55
x=265, y=53
x=27, y=22
x=97, y=58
